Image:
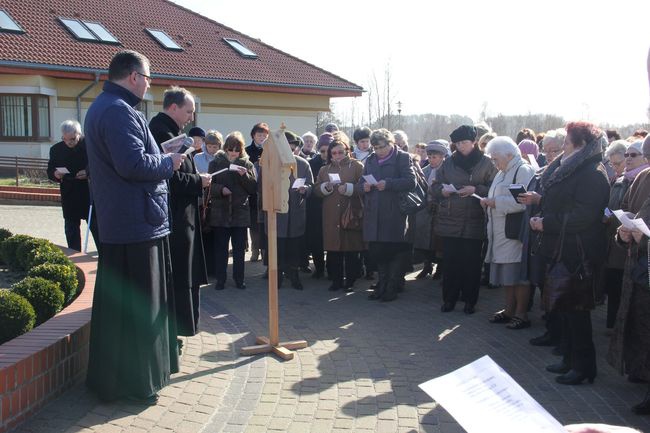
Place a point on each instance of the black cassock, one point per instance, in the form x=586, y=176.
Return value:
x=75, y=196
x=133, y=348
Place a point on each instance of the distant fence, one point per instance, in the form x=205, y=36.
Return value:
x=34, y=169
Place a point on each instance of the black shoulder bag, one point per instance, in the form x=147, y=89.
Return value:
x=514, y=220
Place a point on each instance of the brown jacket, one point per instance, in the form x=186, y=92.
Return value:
x=334, y=204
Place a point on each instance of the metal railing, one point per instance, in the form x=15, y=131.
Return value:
x=34, y=169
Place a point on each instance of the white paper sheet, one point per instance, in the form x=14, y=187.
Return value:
x=608, y=213
x=477, y=196
x=299, y=182
x=370, y=179
x=533, y=161
x=449, y=188
x=482, y=397
x=641, y=225
x=334, y=178
x=236, y=168
x=63, y=170
x=625, y=218
x=189, y=150
x=219, y=172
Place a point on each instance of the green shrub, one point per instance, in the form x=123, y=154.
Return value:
x=17, y=316
x=45, y=296
x=29, y=250
x=4, y=234
x=65, y=275
x=8, y=249
x=54, y=256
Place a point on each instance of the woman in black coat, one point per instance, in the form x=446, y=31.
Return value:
x=575, y=193
x=230, y=216
x=384, y=226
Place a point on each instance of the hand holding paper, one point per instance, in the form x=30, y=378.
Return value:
x=370, y=179
x=334, y=178
x=298, y=183
x=447, y=187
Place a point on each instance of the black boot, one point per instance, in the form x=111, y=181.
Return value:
x=574, y=377
x=380, y=287
x=426, y=270
x=561, y=367
x=643, y=408
x=295, y=279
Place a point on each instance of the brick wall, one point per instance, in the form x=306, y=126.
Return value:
x=28, y=193
x=39, y=365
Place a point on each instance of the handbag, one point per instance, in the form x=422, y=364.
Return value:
x=514, y=220
x=352, y=217
x=568, y=290
x=414, y=200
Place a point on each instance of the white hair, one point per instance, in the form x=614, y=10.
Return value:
x=71, y=127
x=309, y=134
x=502, y=146
x=401, y=134
x=616, y=147
x=554, y=135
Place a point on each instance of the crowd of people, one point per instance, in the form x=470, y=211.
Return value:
x=530, y=214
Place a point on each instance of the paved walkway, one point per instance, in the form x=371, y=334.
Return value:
x=360, y=372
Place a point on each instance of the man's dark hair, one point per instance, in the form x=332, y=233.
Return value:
x=125, y=62
x=612, y=134
x=175, y=95
x=361, y=133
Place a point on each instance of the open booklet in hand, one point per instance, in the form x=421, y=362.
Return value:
x=175, y=144
x=633, y=224
x=516, y=189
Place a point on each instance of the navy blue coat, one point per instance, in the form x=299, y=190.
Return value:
x=128, y=172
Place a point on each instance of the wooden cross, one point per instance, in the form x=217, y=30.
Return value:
x=277, y=163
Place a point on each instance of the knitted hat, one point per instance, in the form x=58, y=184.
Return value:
x=196, y=132
x=463, y=132
x=529, y=147
x=325, y=139
x=331, y=127
x=637, y=145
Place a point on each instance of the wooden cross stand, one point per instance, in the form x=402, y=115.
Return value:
x=277, y=163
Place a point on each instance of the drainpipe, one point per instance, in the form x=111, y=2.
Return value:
x=83, y=92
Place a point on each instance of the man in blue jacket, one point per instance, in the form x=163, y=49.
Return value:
x=133, y=347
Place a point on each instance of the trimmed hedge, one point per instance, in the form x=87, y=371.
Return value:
x=45, y=296
x=29, y=250
x=65, y=275
x=4, y=234
x=8, y=249
x=17, y=316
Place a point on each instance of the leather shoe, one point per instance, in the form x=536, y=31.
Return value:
x=542, y=340
x=559, y=368
x=240, y=285
x=469, y=309
x=447, y=307
x=574, y=377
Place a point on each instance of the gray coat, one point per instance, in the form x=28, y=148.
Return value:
x=462, y=217
x=382, y=219
x=424, y=219
x=293, y=223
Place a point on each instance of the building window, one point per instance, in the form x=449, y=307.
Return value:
x=241, y=49
x=8, y=24
x=164, y=40
x=90, y=31
x=24, y=117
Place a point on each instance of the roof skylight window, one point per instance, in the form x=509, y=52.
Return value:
x=88, y=31
x=7, y=24
x=164, y=40
x=242, y=49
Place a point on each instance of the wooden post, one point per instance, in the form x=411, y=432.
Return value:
x=276, y=164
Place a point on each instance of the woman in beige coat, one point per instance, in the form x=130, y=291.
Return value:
x=343, y=245
x=503, y=253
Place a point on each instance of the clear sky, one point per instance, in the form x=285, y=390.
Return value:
x=575, y=58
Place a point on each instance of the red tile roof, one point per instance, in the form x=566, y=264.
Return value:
x=206, y=60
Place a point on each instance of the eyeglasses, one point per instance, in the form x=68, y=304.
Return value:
x=338, y=152
x=147, y=77
x=380, y=146
x=631, y=155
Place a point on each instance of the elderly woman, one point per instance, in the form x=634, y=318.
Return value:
x=575, y=194
x=633, y=163
x=629, y=349
x=309, y=140
x=461, y=220
x=230, y=216
x=615, y=157
x=342, y=237
x=401, y=140
x=504, y=253
x=384, y=225
x=213, y=142
x=426, y=244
